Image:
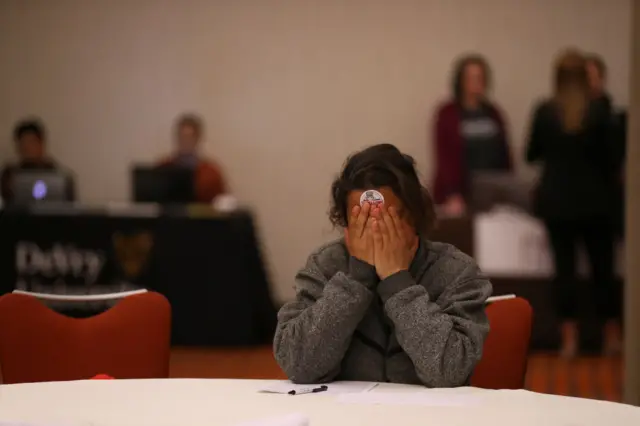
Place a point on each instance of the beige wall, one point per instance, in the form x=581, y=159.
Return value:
x=288, y=87
x=632, y=284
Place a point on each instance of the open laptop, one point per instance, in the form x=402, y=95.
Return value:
x=163, y=185
x=30, y=186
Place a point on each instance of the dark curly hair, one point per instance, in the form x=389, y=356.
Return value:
x=190, y=120
x=378, y=166
x=29, y=126
x=460, y=67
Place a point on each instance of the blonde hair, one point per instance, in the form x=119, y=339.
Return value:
x=571, y=89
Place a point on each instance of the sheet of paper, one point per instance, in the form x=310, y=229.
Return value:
x=18, y=423
x=334, y=388
x=423, y=398
x=499, y=298
x=286, y=420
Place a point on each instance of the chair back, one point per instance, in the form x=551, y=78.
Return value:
x=130, y=340
x=504, y=359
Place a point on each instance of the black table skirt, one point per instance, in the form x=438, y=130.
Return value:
x=209, y=268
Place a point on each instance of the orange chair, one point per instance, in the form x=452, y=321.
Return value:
x=504, y=360
x=130, y=340
x=102, y=377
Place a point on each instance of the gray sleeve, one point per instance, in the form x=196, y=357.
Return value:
x=443, y=337
x=314, y=331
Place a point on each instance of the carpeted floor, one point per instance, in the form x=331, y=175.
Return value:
x=587, y=377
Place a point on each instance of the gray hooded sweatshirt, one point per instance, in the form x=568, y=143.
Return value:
x=424, y=326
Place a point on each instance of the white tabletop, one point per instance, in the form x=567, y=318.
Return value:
x=229, y=402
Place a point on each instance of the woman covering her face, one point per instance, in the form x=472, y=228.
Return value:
x=384, y=303
x=469, y=135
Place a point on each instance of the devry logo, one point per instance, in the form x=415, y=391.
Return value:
x=59, y=261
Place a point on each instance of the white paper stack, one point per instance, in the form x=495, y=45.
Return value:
x=296, y=419
x=425, y=399
x=333, y=388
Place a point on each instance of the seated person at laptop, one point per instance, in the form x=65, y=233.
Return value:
x=209, y=182
x=30, y=139
x=384, y=304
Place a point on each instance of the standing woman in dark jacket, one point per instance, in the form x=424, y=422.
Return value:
x=469, y=135
x=597, y=77
x=597, y=72
x=569, y=137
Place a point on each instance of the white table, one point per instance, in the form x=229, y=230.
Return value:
x=180, y=402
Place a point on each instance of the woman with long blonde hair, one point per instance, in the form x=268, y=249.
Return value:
x=570, y=139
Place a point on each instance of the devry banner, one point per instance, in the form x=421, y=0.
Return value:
x=63, y=268
x=61, y=263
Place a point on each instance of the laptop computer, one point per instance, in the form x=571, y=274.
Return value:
x=489, y=189
x=31, y=186
x=163, y=185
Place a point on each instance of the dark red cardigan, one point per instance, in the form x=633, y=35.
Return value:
x=450, y=169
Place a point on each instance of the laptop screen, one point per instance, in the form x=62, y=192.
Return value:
x=30, y=186
x=163, y=185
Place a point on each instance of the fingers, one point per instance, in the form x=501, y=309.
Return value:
x=377, y=235
x=368, y=231
x=363, y=216
x=376, y=211
x=355, y=211
x=393, y=228
x=369, y=225
x=384, y=231
x=359, y=217
x=393, y=213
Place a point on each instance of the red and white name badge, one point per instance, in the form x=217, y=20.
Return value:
x=373, y=197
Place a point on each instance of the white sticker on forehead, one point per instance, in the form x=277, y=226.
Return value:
x=372, y=197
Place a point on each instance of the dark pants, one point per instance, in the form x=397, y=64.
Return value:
x=598, y=238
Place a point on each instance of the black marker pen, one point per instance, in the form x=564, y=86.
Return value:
x=308, y=390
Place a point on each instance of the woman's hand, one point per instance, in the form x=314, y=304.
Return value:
x=393, y=251
x=455, y=205
x=358, y=235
